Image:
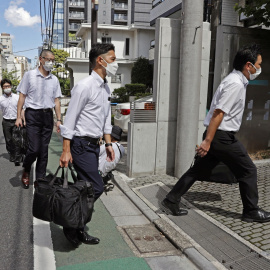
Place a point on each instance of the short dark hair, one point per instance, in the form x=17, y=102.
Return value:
x=98, y=49
x=248, y=53
x=45, y=52
x=5, y=81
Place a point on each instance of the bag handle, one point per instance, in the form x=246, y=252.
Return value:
x=64, y=175
x=71, y=167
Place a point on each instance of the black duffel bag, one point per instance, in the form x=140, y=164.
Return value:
x=67, y=204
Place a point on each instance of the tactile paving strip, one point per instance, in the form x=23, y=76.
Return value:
x=225, y=248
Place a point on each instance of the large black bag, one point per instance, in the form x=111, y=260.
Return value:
x=67, y=204
x=19, y=139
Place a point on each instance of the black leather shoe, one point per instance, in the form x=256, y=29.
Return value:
x=71, y=235
x=256, y=216
x=86, y=238
x=173, y=208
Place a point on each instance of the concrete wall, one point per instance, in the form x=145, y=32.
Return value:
x=142, y=145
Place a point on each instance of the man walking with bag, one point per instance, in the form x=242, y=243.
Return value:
x=39, y=93
x=87, y=119
x=220, y=144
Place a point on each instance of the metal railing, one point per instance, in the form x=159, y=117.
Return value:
x=157, y=2
x=74, y=26
x=76, y=15
x=76, y=4
x=142, y=112
x=118, y=5
x=120, y=17
x=74, y=39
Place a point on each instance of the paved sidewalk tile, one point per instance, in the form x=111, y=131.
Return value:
x=223, y=203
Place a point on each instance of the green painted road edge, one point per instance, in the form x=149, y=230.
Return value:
x=132, y=263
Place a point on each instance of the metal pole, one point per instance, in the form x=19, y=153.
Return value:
x=94, y=24
x=189, y=87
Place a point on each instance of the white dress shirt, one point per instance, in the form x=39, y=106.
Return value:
x=40, y=91
x=106, y=166
x=230, y=98
x=89, y=109
x=8, y=105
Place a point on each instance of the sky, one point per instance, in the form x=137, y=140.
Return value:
x=21, y=19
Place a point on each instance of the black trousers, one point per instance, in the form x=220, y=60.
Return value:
x=8, y=126
x=85, y=157
x=39, y=127
x=226, y=148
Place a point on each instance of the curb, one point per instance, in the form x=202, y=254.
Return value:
x=194, y=252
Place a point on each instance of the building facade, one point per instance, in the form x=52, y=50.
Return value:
x=6, y=41
x=130, y=43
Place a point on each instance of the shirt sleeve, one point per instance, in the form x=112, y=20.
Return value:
x=79, y=97
x=228, y=97
x=24, y=84
x=108, y=125
x=58, y=92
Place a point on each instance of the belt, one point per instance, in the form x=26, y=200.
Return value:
x=232, y=132
x=89, y=139
x=43, y=110
x=10, y=120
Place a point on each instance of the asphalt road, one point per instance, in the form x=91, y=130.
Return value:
x=16, y=241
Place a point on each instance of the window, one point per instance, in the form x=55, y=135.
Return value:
x=127, y=46
x=116, y=78
x=106, y=40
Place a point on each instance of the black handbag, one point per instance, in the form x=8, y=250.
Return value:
x=19, y=139
x=67, y=204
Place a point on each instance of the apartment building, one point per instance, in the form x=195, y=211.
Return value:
x=6, y=41
x=3, y=61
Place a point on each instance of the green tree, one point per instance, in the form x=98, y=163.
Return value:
x=60, y=71
x=12, y=77
x=258, y=9
x=142, y=72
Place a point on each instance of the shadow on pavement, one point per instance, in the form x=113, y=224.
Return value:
x=16, y=180
x=5, y=155
x=202, y=196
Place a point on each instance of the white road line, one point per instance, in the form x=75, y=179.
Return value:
x=44, y=258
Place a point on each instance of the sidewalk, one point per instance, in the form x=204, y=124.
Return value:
x=128, y=239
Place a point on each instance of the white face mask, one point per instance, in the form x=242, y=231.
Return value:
x=7, y=91
x=48, y=65
x=111, y=68
x=256, y=74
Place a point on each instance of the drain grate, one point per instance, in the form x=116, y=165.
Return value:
x=147, y=239
x=225, y=248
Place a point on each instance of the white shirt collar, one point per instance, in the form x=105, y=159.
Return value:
x=99, y=80
x=242, y=77
x=40, y=74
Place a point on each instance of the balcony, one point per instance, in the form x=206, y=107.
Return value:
x=120, y=6
x=74, y=39
x=76, y=4
x=79, y=15
x=120, y=17
x=73, y=27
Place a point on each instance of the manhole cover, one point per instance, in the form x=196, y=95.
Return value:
x=148, y=239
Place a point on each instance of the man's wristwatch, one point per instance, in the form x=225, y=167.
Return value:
x=59, y=120
x=108, y=144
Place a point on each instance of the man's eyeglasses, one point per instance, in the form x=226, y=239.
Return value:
x=6, y=86
x=48, y=59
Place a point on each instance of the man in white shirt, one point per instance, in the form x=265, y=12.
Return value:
x=105, y=166
x=39, y=94
x=219, y=142
x=87, y=119
x=8, y=105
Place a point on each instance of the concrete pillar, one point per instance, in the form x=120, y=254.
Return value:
x=189, y=86
x=165, y=91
